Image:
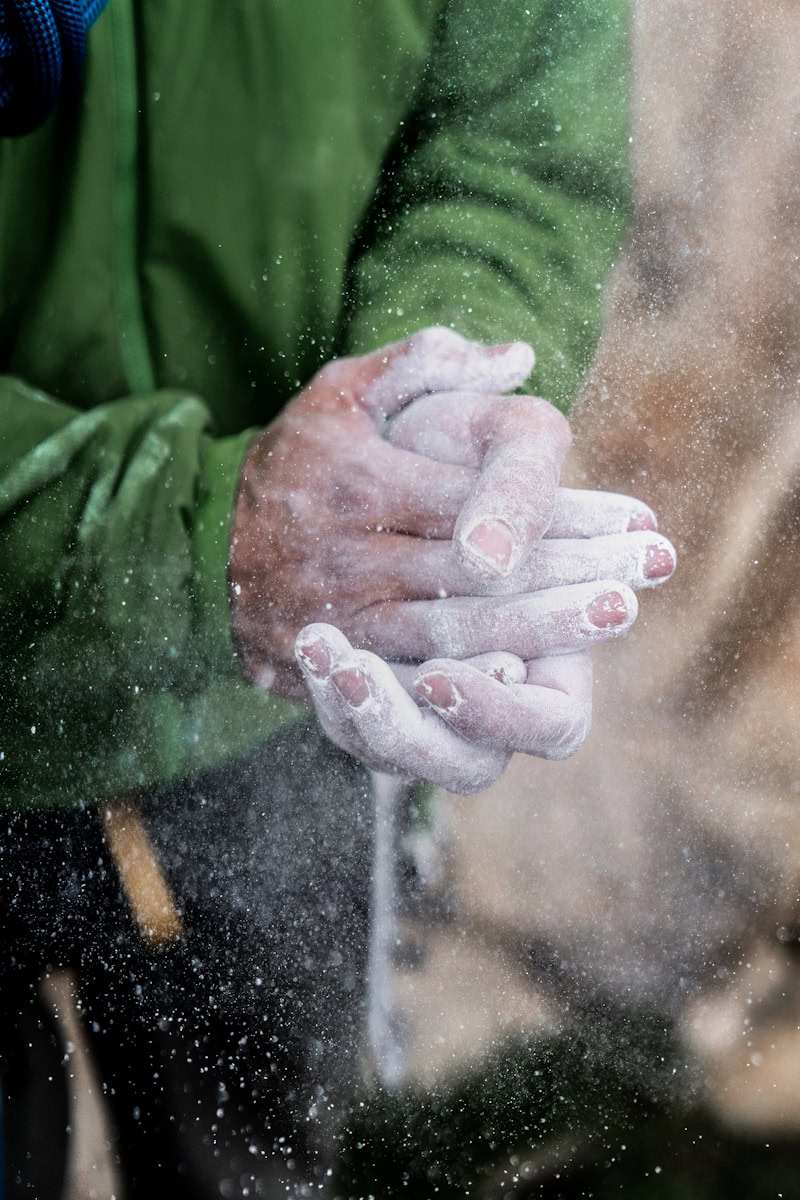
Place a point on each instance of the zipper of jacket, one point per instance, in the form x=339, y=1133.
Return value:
x=134, y=346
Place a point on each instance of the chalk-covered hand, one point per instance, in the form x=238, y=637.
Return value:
x=333, y=522
x=415, y=531
x=481, y=709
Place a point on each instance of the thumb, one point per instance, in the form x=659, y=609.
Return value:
x=435, y=360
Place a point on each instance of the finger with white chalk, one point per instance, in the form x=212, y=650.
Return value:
x=548, y=714
x=366, y=711
x=555, y=621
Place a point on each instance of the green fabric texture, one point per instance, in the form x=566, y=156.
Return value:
x=239, y=192
x=503, y=202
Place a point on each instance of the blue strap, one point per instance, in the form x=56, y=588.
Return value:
x=42, y=48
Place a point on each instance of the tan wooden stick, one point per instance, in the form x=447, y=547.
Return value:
x=143, y=882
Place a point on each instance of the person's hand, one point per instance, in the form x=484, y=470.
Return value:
x=456, y=721
x=344, y=517
x=481, y=710
x=334, y=523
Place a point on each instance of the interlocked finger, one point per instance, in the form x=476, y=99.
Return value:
x=549, y=715
x=555, y=621
x=395, y=489
x=583, y=513
x=518, y=443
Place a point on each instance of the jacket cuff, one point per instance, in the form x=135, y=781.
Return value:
x=221, y=464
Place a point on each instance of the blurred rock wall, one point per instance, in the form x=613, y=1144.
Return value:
x=660, y=866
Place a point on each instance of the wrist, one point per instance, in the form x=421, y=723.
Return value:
x=221, y=461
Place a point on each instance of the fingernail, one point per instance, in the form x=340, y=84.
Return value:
x=658, y=563
x=352, y=684
x=492, y=542
x=316, y=657
x=496, y=351
x=438, y=690
x=642, y=520
x=607, y=610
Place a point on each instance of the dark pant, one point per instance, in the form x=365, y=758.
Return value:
x=227, y=1055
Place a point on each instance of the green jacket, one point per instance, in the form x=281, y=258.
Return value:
x=242, y=190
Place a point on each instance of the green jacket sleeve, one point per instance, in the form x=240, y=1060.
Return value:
x=504, y=200
x=118, y=665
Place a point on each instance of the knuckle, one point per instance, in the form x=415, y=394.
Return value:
x=535, y=413
x=481, y=774
x=553, y=422
x=573, y=733
x=346, y=572
x=468, y=632
x=335, y=382
x=330, y=372
x=561, y=751
x=512, y=413
x=434, y=338
x=358, y=493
